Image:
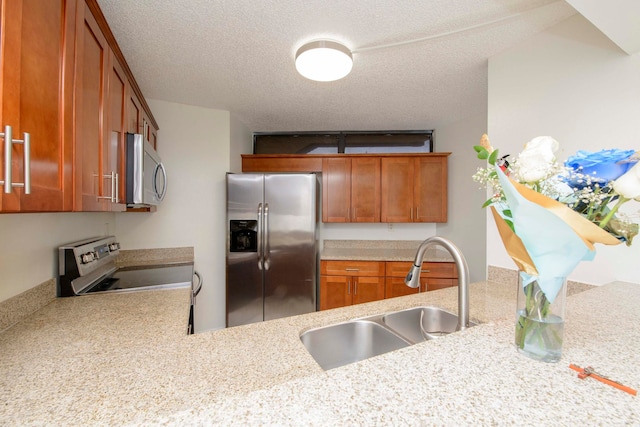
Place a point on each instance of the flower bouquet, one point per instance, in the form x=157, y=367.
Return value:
x=549, y=216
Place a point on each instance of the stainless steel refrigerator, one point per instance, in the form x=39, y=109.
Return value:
x=272, y=246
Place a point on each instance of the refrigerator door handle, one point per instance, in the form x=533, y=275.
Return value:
x=267, y=249
x=260, y=237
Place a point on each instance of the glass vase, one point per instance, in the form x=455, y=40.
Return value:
x=539, y=322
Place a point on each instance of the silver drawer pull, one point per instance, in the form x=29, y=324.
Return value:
x=8, y=143
x=425, y=271
x=351, y=269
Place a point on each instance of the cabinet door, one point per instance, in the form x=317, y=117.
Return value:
x=134, y=113
x=365, y=189
x=35, y=84
x=395, y=287
x=367, y=289
x=335, y=291
x=91, y=79
x=336, y=189
x=430, y=195
x=397, y=189
x=114, y=141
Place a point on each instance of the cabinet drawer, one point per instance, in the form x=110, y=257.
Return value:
x=445, y=270
x=398, y=268
x=352, y=268
x=435, y=284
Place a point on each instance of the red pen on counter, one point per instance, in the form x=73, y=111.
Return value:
x=590, y=372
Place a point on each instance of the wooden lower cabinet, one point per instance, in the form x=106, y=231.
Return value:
x=433, y=276
x=344, y=283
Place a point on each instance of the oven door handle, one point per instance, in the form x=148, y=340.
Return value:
x=196, y=290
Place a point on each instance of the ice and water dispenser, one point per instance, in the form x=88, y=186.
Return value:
x=244, y=235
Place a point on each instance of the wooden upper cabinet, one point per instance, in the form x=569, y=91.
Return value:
x=281, y=163
x=370, y=187
x=336, y=189
x=351, y=189
x=134, y=114
x=102, y=96
x=36, y=89
x=430, y=195
x=414, y=189
x=92, y=59
x=365, y=189
x=115, y=167
x=397, y=189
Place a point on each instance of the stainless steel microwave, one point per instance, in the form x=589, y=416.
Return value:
x=146, y=174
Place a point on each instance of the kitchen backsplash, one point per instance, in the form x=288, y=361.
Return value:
x=22, y=305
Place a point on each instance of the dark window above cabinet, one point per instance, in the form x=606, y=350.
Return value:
x=355, y=142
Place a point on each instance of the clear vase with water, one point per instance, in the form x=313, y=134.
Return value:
x=539, y=322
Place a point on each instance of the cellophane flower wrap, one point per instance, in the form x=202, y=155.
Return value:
x=549, y=216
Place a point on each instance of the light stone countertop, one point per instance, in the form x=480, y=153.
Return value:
x=129, y=363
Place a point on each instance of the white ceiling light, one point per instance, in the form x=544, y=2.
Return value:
x=324, y=60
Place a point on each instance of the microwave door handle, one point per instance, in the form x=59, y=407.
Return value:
x=160, y=166
x=260, y=227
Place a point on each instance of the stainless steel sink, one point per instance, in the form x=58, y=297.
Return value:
x=422, y=323
x=344, y=343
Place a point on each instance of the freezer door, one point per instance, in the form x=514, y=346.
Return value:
x=244, y=277
x=290, y=242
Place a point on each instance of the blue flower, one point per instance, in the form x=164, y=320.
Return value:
x=602, y=166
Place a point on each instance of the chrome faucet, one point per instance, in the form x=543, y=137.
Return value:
x=413, y=278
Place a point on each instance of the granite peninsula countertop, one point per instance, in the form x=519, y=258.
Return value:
x=130, y=363
x=380, y=250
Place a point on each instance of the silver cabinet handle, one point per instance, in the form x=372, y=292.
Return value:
x=425, y=271
x=112, y=198
x=117, y=186
x=8, y=167
x=351, y=269
x=349, y=287
x=8, y=145
x=267, y=249
x=355, y=286
x=260, y=236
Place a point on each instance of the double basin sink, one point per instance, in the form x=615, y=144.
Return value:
x=347, y=342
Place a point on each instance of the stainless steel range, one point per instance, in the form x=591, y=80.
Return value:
x=89, y=267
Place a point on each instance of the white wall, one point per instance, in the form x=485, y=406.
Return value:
x=241, y=143
x=29, y=245
x=466, y=225
x=194, y=145
x=574, y=84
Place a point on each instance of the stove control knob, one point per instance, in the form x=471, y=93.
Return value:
x=87, y=258
x=114, y=246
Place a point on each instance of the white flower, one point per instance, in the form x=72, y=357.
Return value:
x=628, y=185
x=538, y=160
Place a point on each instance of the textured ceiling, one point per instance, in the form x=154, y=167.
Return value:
x=238, y=55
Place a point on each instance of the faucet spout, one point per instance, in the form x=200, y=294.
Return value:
x=413, y=277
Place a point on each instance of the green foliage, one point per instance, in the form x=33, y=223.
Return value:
x=493, y=157
x=482, y=152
